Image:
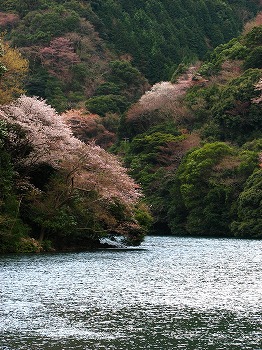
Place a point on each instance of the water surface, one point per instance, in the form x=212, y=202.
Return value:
x=173, y=293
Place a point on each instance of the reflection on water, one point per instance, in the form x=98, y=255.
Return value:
x=175, y=293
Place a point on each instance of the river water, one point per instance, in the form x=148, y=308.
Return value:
x=171, y=293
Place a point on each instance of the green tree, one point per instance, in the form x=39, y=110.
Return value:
x=238, y=118
x=12, y=229
x=206, y=187
x=249, y=208
x=107, y=104
x=254, y=59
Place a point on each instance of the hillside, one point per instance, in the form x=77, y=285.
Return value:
x=190, y=144
x=195, y=144
x=160, y=34
x=71, y=44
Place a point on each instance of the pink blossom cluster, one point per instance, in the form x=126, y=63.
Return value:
x=165, y=92
x=59, y=57
x=51, y=139
x=90, y=167
x=8, y=19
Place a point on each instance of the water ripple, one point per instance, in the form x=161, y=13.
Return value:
x=175, y=293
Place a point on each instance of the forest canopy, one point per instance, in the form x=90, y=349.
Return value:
x=71, y=44
x=91, y=148
x=195, y=144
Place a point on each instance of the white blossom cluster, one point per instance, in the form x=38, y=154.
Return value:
x=89, y=166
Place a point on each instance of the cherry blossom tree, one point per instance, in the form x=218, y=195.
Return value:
x=91, y=127
x=89, y=191
x=88, y=166
x=8, y=19
x=163, y=102
x=59, y=57
x=51, y=139
x=96, y=169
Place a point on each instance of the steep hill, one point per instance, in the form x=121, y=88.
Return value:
x=195, y=144
x=159, y=34
x=192, y=143
x=70, y=44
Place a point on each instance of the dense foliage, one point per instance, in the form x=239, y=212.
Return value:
x=161, y=33
x=13, y=70
x=195, y=145
x=71, y=44
x=67, y=193
x=208, y=182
